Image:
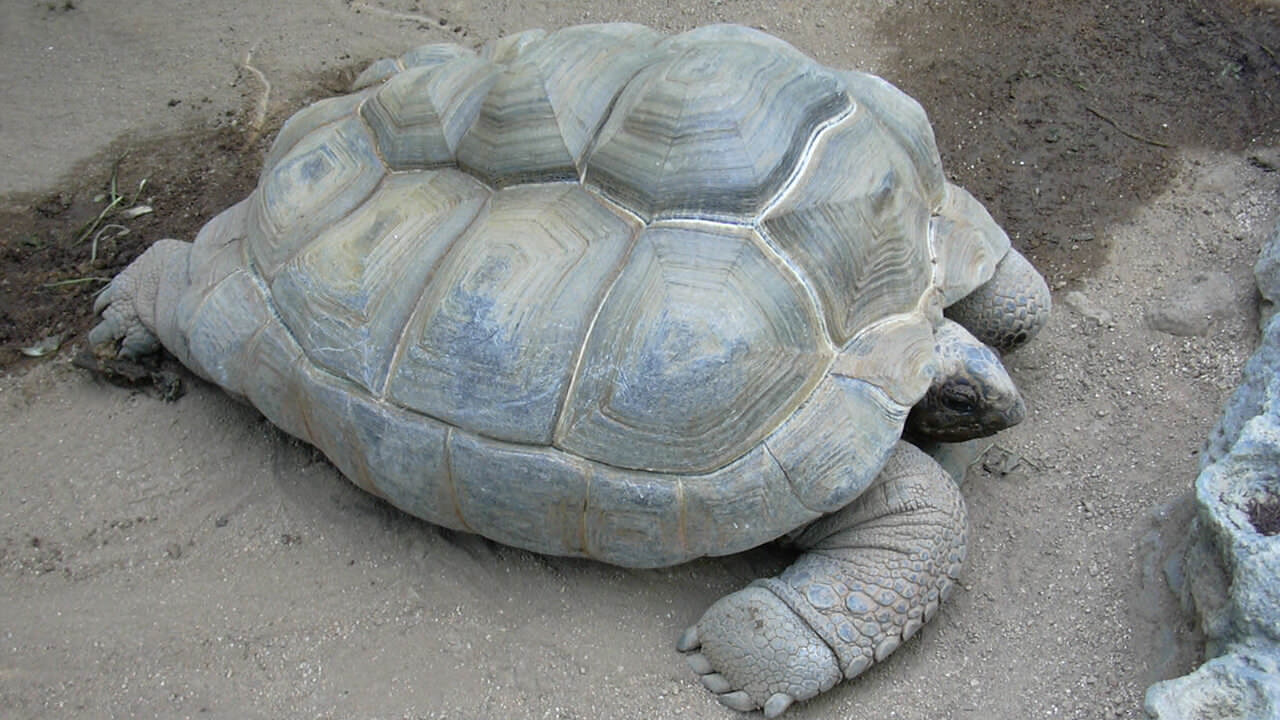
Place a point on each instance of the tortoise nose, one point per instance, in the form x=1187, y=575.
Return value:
x=1015, y=414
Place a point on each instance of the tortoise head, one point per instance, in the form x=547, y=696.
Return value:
x=972, y=395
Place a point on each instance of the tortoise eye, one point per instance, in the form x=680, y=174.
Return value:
x=959, y=398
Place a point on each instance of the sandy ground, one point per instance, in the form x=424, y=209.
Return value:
x=185, y=559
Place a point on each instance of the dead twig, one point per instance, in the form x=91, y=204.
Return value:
x=76, y=281
x=259, y=118
x=119, y=230
x=360, y=6
x=1110, y=121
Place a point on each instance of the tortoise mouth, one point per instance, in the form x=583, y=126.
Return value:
x=935, y=421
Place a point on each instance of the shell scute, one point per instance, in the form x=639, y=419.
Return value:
x=518, y=495
x=419, y=116
x=712, y=131
x=492, y=343
x=832, y=447
x=344, y=294
x=549, y=100
x=908, y=124
x=327, y=174
x=702, y=346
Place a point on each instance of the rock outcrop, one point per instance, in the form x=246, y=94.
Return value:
x=1229, y=571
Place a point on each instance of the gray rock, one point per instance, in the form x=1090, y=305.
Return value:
x=1088, y=309
x=1195, y=307
x=1267, y=272
x=1232, y=687
x=1258, y=384
x=1227, y=573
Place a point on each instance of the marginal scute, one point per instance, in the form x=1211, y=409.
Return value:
x=271, y=379
x=217, y=236
x=896, y=355
x=856, y=225
x=492, y=343
x=739, y=506
x=522, y=496
x=219, y=326
x=328, y=420
x=420, y=115
x=833, y=446
x=968, y=243
x=326, y=175
x=703, y=345
x=908, y=124
x=347, y=295
x=406, y=458
x=634, y=518
x=714, y=131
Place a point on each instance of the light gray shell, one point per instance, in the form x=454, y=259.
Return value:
x=595, y=292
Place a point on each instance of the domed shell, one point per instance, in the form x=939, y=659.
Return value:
x=676, y=256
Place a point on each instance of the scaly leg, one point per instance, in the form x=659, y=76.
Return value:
x=1009, y=309
x=870, y=576
x=137, y=307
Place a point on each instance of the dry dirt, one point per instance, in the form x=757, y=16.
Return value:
x=185, y=559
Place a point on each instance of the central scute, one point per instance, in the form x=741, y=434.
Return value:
x=703, y=346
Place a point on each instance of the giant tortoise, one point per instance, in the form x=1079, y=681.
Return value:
x=607, y=293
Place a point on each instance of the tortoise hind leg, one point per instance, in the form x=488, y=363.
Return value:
x=137, y=306
x=870, y=576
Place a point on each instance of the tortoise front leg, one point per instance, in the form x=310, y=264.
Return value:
x=871, y=575
x=1010, y=308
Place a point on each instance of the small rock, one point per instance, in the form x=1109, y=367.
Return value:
x=1266, y=159
x=1195, y=308
x=1088, y=309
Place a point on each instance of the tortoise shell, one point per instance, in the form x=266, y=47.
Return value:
x=595, y=292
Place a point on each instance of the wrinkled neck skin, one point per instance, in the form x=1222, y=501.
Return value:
x=972, y=395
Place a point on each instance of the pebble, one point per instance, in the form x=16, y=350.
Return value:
x=1194, y=308
x=1088, y=309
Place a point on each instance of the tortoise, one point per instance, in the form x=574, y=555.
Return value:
x=606, y=293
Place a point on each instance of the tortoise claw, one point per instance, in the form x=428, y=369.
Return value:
x=777, y=704
x=739, y=701
x=700, y=664
x=689, y=640
x=716, y=683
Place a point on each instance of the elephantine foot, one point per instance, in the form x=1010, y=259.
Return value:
x=868, y=578
x=128, y=305
x=753, y=652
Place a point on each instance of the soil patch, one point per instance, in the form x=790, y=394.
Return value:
x=51, y=269
x=1064, y=117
